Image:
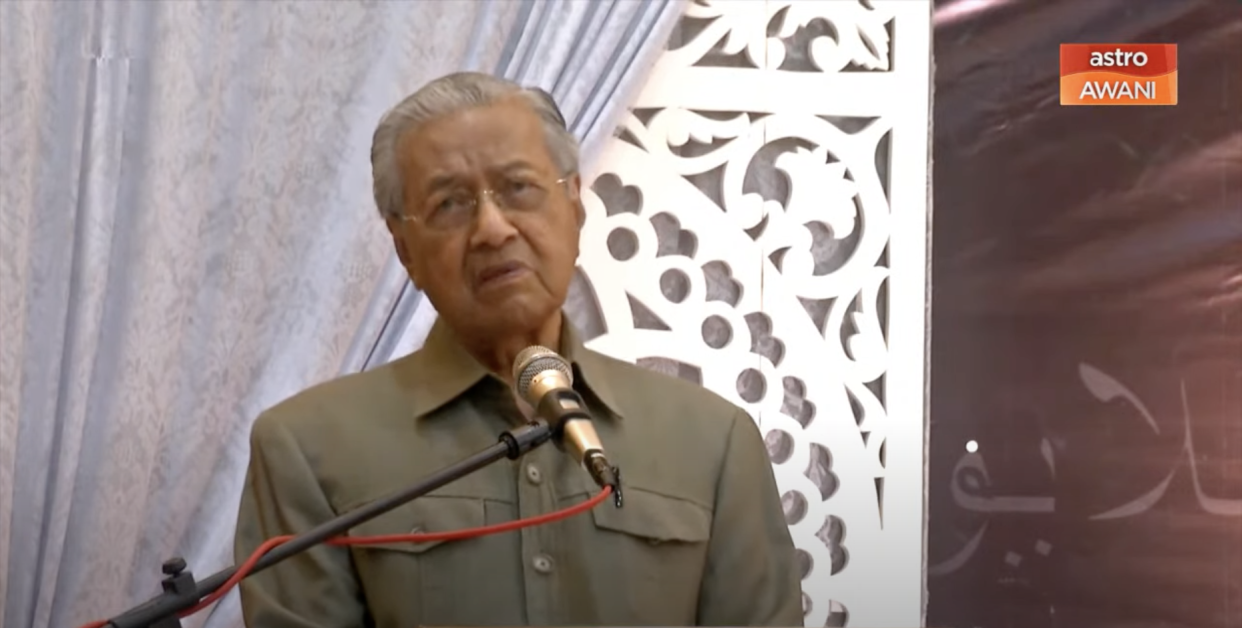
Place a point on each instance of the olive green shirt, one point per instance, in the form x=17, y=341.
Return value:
x=701, y=539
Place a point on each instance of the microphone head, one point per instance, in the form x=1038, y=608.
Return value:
x=537, y=363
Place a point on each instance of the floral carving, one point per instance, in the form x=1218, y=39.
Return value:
x=750, y=249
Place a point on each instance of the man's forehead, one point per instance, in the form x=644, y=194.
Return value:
x=493, y=137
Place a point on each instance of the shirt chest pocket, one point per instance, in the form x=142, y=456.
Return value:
x=650, y=555
x=654, y=518
x=420, y=581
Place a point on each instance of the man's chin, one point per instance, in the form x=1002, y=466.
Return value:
x=516, y=312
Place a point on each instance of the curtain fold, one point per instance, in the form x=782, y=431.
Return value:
x=591, y=56
x=188, y=237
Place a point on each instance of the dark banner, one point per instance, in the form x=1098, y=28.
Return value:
x=1086, y=379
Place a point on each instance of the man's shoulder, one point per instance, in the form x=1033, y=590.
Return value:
x=322, y=408
x=659, y=394
x=675, y=436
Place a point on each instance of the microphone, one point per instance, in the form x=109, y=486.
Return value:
x=545, y=380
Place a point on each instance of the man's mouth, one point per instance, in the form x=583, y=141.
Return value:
x=501, y=272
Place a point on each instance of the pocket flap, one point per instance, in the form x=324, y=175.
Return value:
x=655, y=517
x=432, y=513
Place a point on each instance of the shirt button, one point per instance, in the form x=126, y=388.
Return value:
x=542, y=563
x=533, y=475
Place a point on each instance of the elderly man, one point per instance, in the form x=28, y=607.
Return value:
x=477, y=180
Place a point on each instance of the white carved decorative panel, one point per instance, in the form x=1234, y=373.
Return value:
x=760, y=226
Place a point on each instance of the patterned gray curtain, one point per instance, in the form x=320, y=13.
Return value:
x=591, y=56
x=188, y=237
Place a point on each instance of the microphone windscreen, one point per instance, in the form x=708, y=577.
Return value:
x=532, y=361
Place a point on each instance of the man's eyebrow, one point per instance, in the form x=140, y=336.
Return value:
x=447, y=180
x=516, y=164
x=441, y=181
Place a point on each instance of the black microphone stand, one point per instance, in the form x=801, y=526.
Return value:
x=181, y=592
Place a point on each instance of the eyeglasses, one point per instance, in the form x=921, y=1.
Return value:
x=457, y=208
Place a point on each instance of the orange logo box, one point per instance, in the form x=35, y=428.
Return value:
x=1118, y=74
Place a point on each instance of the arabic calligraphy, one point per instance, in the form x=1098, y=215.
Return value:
x=1212, y=505
x=968, y=493
x=1106, y=388
x=959, y=558
x=970, y=482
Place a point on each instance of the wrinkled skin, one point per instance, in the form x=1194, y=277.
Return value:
x=534, y=253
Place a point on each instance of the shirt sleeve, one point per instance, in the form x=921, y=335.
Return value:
x=315, y=589
x=752, y=576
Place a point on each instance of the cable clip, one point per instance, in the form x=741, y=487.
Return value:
x=616, y=487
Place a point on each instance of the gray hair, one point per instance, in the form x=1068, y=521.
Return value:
x=447, y=95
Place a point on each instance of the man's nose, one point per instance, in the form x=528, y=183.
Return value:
x=492, y=226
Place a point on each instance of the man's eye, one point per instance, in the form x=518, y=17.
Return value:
x=452, y=204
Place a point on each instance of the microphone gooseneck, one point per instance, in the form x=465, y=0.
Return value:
x=545, y=380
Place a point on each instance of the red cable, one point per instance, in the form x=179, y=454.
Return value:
x=453, y=535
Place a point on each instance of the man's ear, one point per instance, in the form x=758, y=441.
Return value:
x=400, y=243
x=575, y=187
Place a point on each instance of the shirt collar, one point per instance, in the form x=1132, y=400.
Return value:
x=444, y=370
